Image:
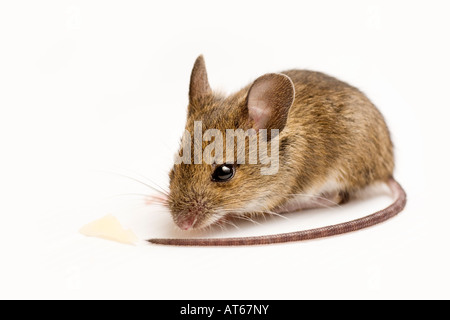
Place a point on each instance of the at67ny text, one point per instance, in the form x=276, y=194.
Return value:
x=228, y=309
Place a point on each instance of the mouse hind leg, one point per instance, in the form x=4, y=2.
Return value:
x=305, y=201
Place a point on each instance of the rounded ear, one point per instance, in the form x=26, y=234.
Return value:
x=199, y=86
x=269, y=99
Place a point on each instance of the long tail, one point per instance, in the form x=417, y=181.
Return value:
x=367, y=221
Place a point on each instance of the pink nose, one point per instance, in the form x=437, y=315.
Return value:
x=186, y=223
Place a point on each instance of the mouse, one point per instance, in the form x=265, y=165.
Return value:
x=330, y=142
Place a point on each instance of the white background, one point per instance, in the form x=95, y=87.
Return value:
x=91, y=90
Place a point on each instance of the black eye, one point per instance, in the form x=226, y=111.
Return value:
x=223, y=173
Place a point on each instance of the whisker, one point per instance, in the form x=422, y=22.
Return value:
x=238, y=211
x=231, y=224
x=161, y=188
x=160, y=199
x=247, y=219
x=131, y=194
x=276, y=214
x=156, y=204
x=221, y=226
x=333, y=203
x=163, y=192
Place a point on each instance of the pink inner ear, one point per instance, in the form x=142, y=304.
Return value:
x=269, y=100
x=259, y=111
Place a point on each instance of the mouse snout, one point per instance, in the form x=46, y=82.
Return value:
x=189, y=214
x=186, y=222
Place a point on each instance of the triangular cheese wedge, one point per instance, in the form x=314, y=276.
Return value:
x=109, y=228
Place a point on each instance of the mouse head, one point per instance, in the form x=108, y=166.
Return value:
x=229, y=160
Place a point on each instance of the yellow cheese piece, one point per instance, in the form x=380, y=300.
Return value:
x=109, y=228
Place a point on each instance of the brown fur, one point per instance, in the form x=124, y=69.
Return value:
x=331, y=127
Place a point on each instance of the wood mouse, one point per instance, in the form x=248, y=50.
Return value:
x=332, y=143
